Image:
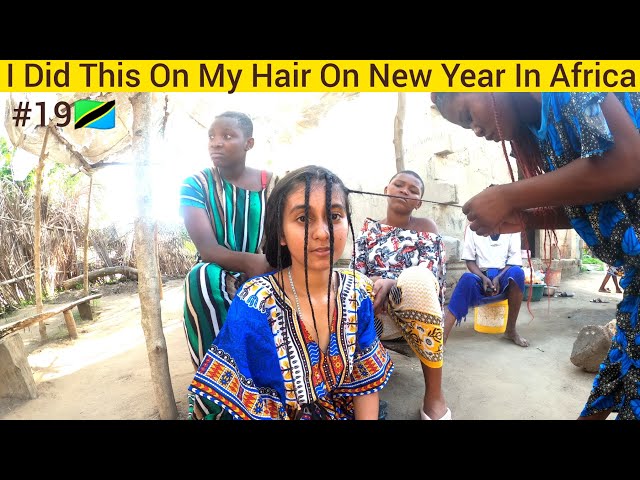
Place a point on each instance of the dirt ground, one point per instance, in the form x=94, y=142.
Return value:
x=104, y=374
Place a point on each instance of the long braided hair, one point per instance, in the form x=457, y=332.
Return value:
x=279, y=255
x=530, y=163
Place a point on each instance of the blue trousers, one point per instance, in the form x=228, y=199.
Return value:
x=469, y=290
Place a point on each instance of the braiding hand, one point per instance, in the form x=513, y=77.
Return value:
x=487, y=211
x=258, y=265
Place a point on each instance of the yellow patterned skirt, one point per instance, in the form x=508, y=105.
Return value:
x=414, y=305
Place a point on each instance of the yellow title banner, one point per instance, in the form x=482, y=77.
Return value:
x=232, y=76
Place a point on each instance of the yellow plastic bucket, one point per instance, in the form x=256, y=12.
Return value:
x=491, y=317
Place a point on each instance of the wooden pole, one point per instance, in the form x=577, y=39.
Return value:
x=36, y=233
x=398, y=131
x=71, y=324
x=15, y=280
x=86, y=240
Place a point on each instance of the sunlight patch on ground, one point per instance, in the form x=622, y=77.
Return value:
x=100, y=345
x=115, y=330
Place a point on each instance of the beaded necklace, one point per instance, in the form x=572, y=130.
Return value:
x=298, y=309
x=295, y=294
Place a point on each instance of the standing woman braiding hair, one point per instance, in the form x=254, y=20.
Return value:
x=580, y=156
x=300, y=342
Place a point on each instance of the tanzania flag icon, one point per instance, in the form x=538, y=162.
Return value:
x=93, y=114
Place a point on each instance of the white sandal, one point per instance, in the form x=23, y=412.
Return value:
x=446, y=416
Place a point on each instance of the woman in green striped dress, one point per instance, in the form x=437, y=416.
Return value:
x=223, y=211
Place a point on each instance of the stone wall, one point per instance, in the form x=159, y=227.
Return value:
x=455, y=164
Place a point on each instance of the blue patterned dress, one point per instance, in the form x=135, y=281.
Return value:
x=573, y=126
x=265, y=365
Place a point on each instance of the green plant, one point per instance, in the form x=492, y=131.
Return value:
x=27, y=302
x=5, y=157
x=588, y=259
x=594, y=263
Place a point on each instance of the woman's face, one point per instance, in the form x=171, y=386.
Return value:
x=228, y=145
x=404, y=185
x=318, y=246
x=477, y=112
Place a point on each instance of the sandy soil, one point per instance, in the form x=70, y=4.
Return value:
x=104, y=373
x=487, y=377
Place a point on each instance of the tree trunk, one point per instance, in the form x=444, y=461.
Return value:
x=127, y=271
x=148, y=280
x=398, y=131
x=155, y=243
x=37, y=236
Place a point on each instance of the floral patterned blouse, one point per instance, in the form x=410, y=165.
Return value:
x=385, y=251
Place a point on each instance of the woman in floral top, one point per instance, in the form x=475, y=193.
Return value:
x=404, y=257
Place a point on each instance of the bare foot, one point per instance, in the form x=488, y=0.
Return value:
x=605, y=290
x=618, y=291
x=517, y=339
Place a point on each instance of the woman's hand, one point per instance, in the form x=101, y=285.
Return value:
x=487, y=210
x=381, y=288
x=258, y=265
x=514, y=222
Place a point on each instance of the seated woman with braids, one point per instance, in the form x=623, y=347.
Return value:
x=405, y=258
x=299, y=343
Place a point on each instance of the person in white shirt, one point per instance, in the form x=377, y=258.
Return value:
x=495, y=268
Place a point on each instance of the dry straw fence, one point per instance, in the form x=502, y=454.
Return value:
x=62, y=237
